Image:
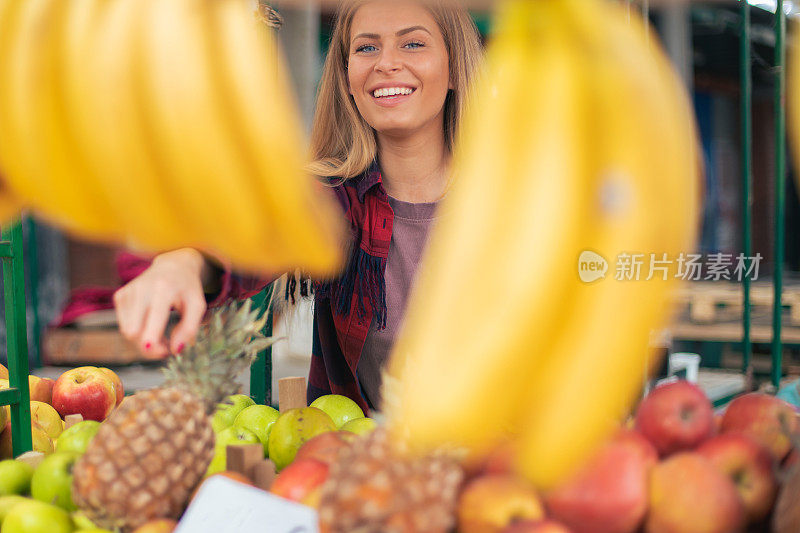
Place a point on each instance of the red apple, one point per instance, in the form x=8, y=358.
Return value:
x=41, y=389
x=749, y=466
x=325, y=446
x=488, y=504
x=537, y=526
x=689, y=495
x=675, y=417
x=85, y=391
x=298, y=481
x=717, y=424
x=762, y=417
x=500, y=460
x=39, y=439
x=638, y=442
x=118, y=388
x=792, y=459
x=6, y=450
x=609, y=494
x=230, y=474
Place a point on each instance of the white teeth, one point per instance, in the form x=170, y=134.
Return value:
x=392, y=91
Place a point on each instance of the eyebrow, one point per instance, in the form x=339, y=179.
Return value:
x=398, y=34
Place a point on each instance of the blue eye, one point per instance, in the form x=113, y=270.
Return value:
x=414, y=45
x=366, y=48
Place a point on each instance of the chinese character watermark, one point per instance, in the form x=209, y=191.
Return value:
x=688, y=267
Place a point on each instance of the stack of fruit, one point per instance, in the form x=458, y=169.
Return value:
x=239, y=421
x=304, y=442
x=677, y=468
x=35, y=491
x=88, y=391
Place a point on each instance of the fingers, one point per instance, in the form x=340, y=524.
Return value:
x=194, y=307
x=152, y=342
x=143, y=306
x=131, y=312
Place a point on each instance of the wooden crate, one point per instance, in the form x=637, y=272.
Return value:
x=93, y=346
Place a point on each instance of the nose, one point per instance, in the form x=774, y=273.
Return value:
x=388, y=61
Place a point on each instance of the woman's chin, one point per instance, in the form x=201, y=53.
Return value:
x=398, y=130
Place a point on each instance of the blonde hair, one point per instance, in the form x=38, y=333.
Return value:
x=343, y=144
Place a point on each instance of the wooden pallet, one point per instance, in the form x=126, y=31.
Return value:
x=710, y=302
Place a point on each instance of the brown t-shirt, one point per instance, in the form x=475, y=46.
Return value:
x=409, y=237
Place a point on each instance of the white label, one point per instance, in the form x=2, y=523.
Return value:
x=225, y=506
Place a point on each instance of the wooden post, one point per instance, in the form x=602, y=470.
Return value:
x=71, y=420
x=263, y=474
x=291, y=393
x=241, y=458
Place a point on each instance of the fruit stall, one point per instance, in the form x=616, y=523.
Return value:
x=540, y=409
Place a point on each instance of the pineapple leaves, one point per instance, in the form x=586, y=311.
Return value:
x=226, y=345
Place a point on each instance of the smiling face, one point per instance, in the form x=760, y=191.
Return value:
x=398, y=69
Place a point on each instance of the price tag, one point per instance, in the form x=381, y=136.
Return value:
x=225, y=506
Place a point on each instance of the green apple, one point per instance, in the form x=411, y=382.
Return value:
x=37, y=517
x=82, y=521
x=360, y=426
x=7, y=503
x=231, y=436
x=228, y=410
x=292, y=429
x=340, y=408
x=15, y=477
x=77, y=438
x=52, y=480
x=258, y=419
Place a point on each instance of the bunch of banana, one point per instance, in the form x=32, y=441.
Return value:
x=161, y=123
x=580, y=138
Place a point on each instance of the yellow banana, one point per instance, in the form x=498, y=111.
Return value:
x=467, y=355
x=37, y=126
x=191, y=135
x=556, y=359
x=99, y=56
x=644, y=183
x=269, y=149
x=161, y=123
x=10, y=137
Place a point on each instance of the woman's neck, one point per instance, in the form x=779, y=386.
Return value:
x=414, y=168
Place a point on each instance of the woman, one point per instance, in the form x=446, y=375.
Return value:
x=392, y=93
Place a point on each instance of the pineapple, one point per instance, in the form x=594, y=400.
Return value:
x=374, y=488
x=151, y=453
x=787, y=507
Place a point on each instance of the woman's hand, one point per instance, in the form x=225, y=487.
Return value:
x=174, y=280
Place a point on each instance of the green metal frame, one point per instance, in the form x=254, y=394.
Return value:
x=261, y=369
x=780, y=188
x=17, y=397
x=746, y=87
x=745, y=66
x=32, y=267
